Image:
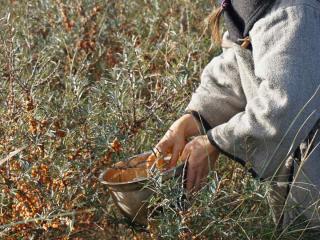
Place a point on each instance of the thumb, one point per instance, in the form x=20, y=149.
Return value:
x=175, y=155
x=185, y=153
x=162, y=148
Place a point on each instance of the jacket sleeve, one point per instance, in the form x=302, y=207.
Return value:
x=284, y=105
x=219, y=95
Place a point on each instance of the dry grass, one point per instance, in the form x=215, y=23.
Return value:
x=86, y=83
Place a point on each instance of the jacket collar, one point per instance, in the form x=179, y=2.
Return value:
x=241, y=15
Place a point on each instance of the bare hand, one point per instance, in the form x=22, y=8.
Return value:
x=175, y=138
x=201, y=155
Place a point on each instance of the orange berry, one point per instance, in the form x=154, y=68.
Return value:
x=116, y=145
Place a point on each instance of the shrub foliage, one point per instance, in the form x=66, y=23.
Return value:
x=84, y=84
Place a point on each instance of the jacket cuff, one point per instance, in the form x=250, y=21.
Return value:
x=202, y=121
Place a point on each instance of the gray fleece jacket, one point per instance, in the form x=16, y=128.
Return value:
x=261, y=105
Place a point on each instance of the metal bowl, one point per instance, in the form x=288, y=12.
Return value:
x=126, y=183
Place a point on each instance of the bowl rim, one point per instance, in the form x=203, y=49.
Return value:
x=137, y=181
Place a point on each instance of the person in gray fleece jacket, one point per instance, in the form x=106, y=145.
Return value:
x=260, y=106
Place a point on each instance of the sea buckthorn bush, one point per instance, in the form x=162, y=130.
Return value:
x=84, y=84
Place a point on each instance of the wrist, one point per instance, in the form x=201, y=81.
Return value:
x=189, y=126
x=208, y=147
x=213, y=151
